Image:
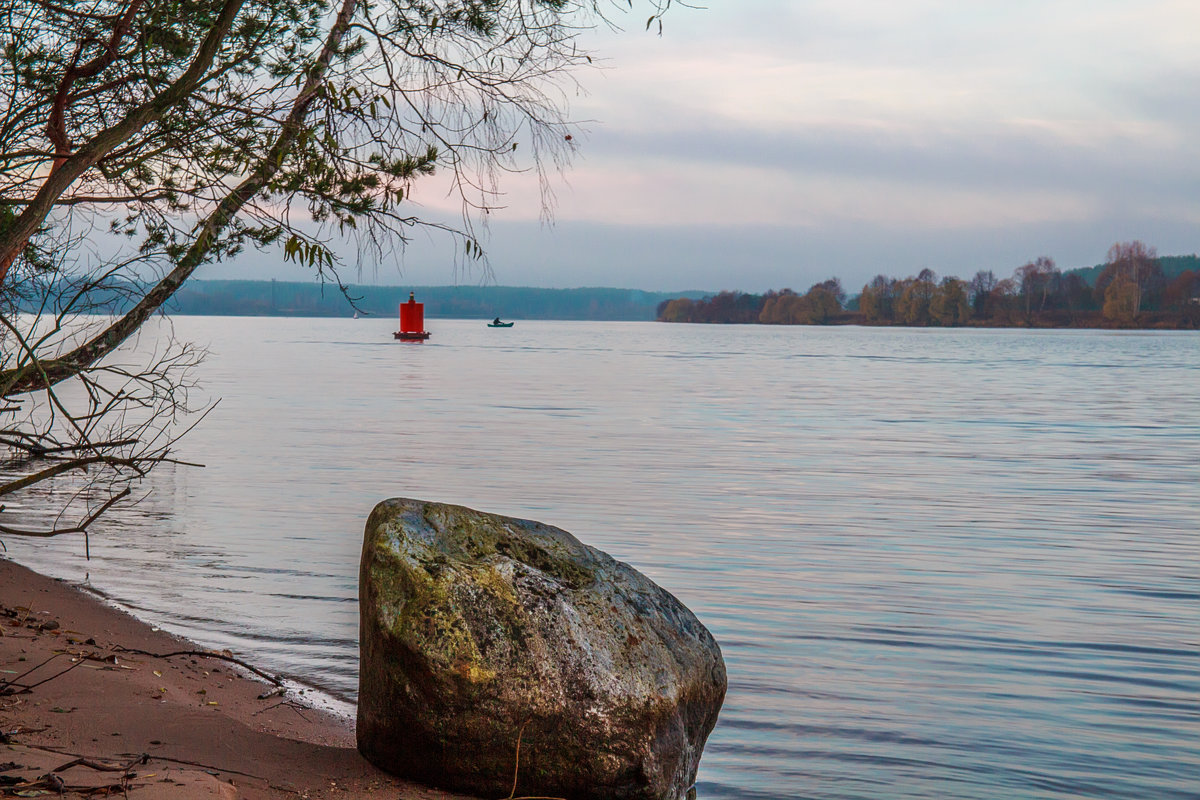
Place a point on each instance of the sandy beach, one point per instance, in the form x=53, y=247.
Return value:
x=94, y=703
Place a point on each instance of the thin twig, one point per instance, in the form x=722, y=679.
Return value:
x=517, y=769
x=185, y=762
x=82, y=527
x=142, y=758
x=13, y=681
x=33, y=686
x=517, y=761
x=100, y=766
x=292, y=704
x=275, y=679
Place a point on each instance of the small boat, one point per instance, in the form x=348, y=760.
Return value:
x=498, y=324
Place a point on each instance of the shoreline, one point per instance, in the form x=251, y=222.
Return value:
x=93, y=698
x=306, y=688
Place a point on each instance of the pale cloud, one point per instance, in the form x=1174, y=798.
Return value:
x=921, y=62
x=762, y=196
x=1022, y=171
x=778, y=142
x=923, y=114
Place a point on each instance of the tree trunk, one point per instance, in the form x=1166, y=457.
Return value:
x=48, y=373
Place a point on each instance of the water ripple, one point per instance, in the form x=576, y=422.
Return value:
x=941, y=564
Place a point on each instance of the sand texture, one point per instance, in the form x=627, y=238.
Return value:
x=82, y=714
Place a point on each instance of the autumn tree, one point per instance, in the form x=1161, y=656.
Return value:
x=1001, y=305
x=1122, y=300
x=729, y=307
x=821, y=303
x=949, y=305
x=793, y=309
x=1036, y=280
x=877, y=302
x=193, y=129
x=1131, y=277
x=1076, y=293
x=980, y=288
x=833, y=287
x=1182, y=296
x=777, y=307
x=912, y=307
x=1183, y=291
x=817, y=306
x=677, y=310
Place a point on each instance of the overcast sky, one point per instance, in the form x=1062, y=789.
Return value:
x=768, y=143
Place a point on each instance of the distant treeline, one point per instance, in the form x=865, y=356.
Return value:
x=280, y=298
x=1133, y=289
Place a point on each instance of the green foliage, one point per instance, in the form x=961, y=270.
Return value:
x=34, y=254
x=287, y=123
x=196, y=128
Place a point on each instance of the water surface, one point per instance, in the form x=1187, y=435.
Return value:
x=953, y=564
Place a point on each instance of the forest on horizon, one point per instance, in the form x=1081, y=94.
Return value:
x=1134, y=288
x=312, y=299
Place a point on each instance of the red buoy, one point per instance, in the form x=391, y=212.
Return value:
x=412, y=321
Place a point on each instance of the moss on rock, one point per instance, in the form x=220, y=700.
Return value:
x=480, y=630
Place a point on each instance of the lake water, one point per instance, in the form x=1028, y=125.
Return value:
x=941, y=564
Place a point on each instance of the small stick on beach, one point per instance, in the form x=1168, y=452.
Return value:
x=275, y=679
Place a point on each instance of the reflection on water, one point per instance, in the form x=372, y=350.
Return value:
x=954, y=564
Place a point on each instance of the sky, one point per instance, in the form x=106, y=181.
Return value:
x=761, y=144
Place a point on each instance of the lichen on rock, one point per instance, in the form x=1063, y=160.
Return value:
x=482, y=633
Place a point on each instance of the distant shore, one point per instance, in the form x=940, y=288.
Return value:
x=1089, y=322
x=1135, y=290
x=80, y=710
x=259, y=298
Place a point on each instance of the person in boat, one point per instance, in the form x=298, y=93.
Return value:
x=496, y=321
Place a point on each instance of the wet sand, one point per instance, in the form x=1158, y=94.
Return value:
x=81, y=710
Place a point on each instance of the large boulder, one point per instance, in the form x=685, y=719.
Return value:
x=484, y=637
